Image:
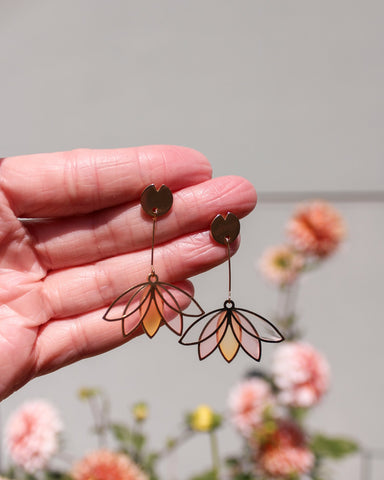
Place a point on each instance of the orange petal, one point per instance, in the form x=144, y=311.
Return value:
x=229, y=345
x=152, y=312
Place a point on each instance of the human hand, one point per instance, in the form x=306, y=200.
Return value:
x=83, y=239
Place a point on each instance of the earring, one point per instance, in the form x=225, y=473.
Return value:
x=152, y=295
x=229, y=327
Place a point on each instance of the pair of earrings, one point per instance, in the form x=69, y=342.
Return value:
x=228, y=328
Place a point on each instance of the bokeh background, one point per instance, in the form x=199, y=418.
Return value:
x=289, y=94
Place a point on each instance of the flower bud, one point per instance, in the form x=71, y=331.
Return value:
x=140, y=411
x=204, y=419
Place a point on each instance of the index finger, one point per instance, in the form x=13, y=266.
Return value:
x=82, y=181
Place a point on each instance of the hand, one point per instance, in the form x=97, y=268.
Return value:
x=73, y=237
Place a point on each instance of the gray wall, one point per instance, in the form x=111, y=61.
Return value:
x=288, y=93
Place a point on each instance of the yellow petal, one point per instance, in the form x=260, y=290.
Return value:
x=229, y=344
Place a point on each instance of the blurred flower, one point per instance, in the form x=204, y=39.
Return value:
x=140, y=411
x=31, y=435
x=106, y=465
x=204, y=419
x=285, y=453
x=88, y=393
x=281, y=264
x=316, y=229
x=301, y=373
x=248, y=402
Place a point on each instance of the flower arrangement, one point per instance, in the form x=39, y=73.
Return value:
x=267, y=409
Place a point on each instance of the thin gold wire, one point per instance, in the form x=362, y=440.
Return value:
x=225, y=231
x=155, y=203
x=229, y=269
x=154, y=219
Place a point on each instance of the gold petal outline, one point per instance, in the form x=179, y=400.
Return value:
x=139, y=288
x=161, y=288
x=201, y=341
x=263, y=339
x=229, y=318
x=246, y=331
x=190, y=297
x=196, y=322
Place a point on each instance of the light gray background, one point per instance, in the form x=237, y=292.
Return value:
x=287, y=93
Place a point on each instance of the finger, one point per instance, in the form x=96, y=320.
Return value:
x=81, y=181
x=80, y=240
x=81, y=289
x=65, y=341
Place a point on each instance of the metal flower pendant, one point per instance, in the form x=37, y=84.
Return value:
x=148, y=301
x=229, y=329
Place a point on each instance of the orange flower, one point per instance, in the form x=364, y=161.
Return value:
x=285, y=453
x=316, y=229
x=106, y=465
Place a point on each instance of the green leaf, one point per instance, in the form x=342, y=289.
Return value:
x=171, y=443
x=11, y=472
x=148, y=465
x=29, y=476
x=152, y=458
x=232, y=462
x=121, y=432
x=243, y=476
x=298, y=413
x=333, y=447
x=294, y=476
x=138, y=440
x=57, y=476
x=210, y=475
x=217, y=421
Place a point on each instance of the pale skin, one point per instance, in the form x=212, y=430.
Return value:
x=58, y=275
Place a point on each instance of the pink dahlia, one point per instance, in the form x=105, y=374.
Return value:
x=248, y=401
x=285, y=453
x=301, y=373
x=31, y=435
x=106, y=465
x=316, y=229
x=281, y=265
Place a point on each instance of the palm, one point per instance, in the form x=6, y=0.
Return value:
x=22, y=312
x=82, y=231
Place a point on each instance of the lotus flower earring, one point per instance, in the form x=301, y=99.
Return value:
x=148, y=299
x=230, y=328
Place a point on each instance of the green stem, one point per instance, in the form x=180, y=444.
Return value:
x=138, y=449
x=215, y=455
x=177, y=443
x=99, y=413
x=286, y=307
